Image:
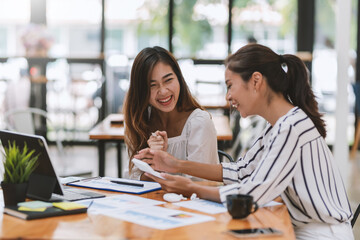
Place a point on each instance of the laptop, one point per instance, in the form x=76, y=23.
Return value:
x=44, y=182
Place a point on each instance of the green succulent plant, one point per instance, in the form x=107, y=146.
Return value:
x=18, y=164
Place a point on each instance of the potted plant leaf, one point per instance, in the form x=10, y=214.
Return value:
x=18, y=165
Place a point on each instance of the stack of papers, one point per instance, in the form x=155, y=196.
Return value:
x=142, y=211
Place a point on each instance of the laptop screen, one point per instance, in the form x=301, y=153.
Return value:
x=44, y=177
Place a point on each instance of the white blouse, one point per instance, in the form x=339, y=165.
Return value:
x=197, y=142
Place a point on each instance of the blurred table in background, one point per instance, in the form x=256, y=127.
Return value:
x=213, y=102
x=111, y=129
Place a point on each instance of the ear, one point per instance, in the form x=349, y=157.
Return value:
x=257, y=79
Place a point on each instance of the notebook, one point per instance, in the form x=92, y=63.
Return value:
x=34, y=214
x=44, y=183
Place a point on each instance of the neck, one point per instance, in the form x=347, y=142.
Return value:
x=167, y=118
x=277, y=108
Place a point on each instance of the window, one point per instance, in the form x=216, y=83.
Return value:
x=200, y=29
x=271, y=23
x=134, y=25
x=13, y=20
x=324, y=65
x=76, y=31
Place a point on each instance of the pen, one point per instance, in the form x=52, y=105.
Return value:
x=90, y=204
x=128, y=183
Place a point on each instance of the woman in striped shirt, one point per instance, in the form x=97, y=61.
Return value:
x=289, y=159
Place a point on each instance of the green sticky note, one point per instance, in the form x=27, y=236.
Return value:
x=35, y=204
x=32, y=209
x=68, y=205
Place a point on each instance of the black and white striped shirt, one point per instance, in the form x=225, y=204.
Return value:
x=292, y=160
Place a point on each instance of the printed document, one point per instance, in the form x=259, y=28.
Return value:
x=123, y=201
x=158, y=217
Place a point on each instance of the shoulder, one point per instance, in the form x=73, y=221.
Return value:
x=199, y=120
x=199, y=114
x=298, y=119
x=299, y=124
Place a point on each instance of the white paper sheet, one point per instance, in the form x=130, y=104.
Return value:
x=158, y=217
x=123, y=201
x=203, y=206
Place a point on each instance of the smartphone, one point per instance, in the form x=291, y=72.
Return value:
x=255, y=232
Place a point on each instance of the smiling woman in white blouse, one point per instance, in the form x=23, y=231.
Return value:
x=289, y=159
x=161, y=113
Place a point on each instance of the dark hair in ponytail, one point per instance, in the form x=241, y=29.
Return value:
x=285, y=74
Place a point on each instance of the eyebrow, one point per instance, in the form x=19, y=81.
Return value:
x=165, y=76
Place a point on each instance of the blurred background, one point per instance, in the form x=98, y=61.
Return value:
x=72, y=60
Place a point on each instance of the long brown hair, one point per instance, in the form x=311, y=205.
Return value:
x=136, y=114
x=285, y=74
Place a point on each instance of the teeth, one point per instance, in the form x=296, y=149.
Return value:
x=165, y=100
x=234, y=105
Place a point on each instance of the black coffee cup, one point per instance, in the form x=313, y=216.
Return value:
x=240, y=205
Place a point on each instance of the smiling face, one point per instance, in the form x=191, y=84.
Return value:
x=164, y=88
x=240, y=94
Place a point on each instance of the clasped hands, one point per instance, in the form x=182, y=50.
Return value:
x=158, y=140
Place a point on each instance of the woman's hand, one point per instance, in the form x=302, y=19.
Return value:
x=159, y=160
x=158, y=141
x=186, y=187
x=176, y=184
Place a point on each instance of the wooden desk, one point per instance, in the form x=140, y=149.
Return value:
x=84, y=226
x=107, y=132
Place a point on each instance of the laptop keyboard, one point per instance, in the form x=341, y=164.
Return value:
x=74, y=194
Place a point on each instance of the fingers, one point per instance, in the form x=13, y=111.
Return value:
x=168, y=177
x=156, y=179
x=163, y=134
x=171, y=183
x=145, y=150
x=156, y=138
x=157, y=141
x=162, y=182
x=144, y=153
x=156, y=144
x=148, y=161
x=158, y=135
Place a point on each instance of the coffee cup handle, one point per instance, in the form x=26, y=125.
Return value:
x=255, y=208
